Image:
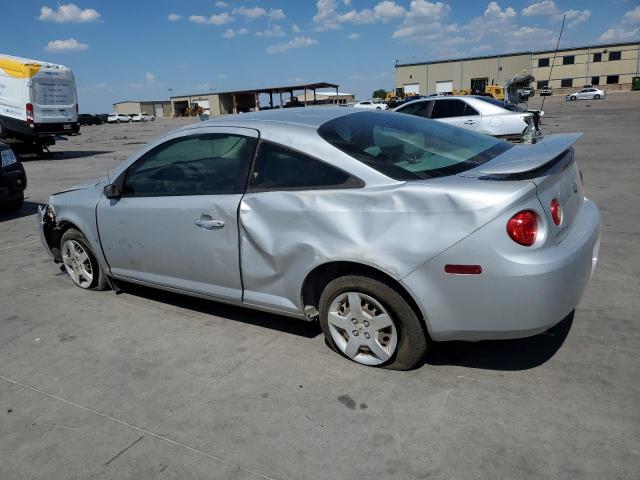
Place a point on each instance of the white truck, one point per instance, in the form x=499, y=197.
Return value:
x=38, y=102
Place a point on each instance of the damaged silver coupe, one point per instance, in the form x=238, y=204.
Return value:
x=392, y=230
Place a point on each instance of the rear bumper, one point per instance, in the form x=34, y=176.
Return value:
x=13, y=181
x=516, y=295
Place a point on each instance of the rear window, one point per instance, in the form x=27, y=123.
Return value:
x=53, y=92
x=406, y=147
x=499, y=103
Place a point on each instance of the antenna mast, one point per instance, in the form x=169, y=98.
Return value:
x=555, y=54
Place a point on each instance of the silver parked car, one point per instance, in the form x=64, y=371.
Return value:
x=588, y=93
x=390, y=229
x=480, y=114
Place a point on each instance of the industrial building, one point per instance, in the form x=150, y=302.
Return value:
x=330, y=98
x=612, y=66
x=222, y=103
x=157, y=108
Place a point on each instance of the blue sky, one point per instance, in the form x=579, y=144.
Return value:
x=139, y=49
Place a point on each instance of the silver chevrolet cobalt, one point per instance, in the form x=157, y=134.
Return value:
x=392, y=230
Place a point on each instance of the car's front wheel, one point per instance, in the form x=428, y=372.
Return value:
x=370, y=323
x=572, y=97
x=80, y=262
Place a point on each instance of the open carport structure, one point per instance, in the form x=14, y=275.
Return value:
x=222, y=103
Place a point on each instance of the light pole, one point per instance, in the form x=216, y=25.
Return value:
x=173, y=113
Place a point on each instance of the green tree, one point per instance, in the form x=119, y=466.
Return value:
x=380, y=93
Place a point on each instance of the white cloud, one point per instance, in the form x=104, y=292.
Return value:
x=257, y=12
x=231, y=33
x=271, y=31
x=632, y=16
x=575, y=17
x=276, y=14
x=423, y=19
x=222, y=4
x=222, y=75
x=173, y=17
x=70, y=45
x=617, y=34
x=297, y=42
x=494, y=11
x=197, y=19
x=546, y=7
x=353, y=36
x=149, y=80
x=68, y=13
x=625, y=30
x=421, y=10
x=549, y=8
x=219, y=19
x=328, y=17
x=91, y=88
x=295, y=28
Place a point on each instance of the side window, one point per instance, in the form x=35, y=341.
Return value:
x=206, y=164
x=419, y=109
x=469, y=110
x=279, y=168
x=448, y=108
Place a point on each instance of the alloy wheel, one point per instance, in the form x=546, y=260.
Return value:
x=77, y=263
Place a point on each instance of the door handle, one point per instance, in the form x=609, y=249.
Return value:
x=469, y=122
x=209, y=224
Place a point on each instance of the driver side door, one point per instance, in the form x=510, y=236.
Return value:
x=175, y=223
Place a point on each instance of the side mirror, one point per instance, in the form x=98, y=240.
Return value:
x=111, y=191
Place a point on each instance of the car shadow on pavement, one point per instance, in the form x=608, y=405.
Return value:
x=28, y=209
x=271, y=321
x=512, y=355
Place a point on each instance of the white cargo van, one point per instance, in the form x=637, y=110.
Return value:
x=37, y=100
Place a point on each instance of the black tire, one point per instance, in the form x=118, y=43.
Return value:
x=572, y=98
x=14, y=205
x=99, y=281
x=596, y=97
x=413, y=341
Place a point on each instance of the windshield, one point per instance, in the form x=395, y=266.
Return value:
x=406, y=147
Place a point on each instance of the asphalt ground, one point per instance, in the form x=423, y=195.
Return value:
x=148, y=384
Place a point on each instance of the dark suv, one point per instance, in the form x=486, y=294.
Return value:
x=13, y=180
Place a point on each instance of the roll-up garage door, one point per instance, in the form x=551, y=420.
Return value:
x=444, y=87
x=411, y=88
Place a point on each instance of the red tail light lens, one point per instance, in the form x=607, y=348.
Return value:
x=556, y=211
x=29, y=109
x=523, y=227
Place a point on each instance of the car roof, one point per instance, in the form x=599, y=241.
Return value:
x=311, y=117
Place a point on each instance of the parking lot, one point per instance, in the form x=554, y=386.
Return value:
x=148, y=384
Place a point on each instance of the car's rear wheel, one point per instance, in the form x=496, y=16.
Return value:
x=572, y=97
x=80, y=262
x=13, y=205
x=596, y=97
x=370, y=323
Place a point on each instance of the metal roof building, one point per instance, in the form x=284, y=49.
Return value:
x=235, y=101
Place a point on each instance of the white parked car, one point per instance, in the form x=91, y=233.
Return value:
x=587, y=94
x=480, y=114
x=370, y=105
x=118, y=118
x=143, y=117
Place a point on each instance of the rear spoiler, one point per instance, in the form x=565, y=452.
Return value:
x=528, y=157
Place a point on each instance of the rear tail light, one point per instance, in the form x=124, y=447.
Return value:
x=523, y=227
x=29, y=108
x=556, y=211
